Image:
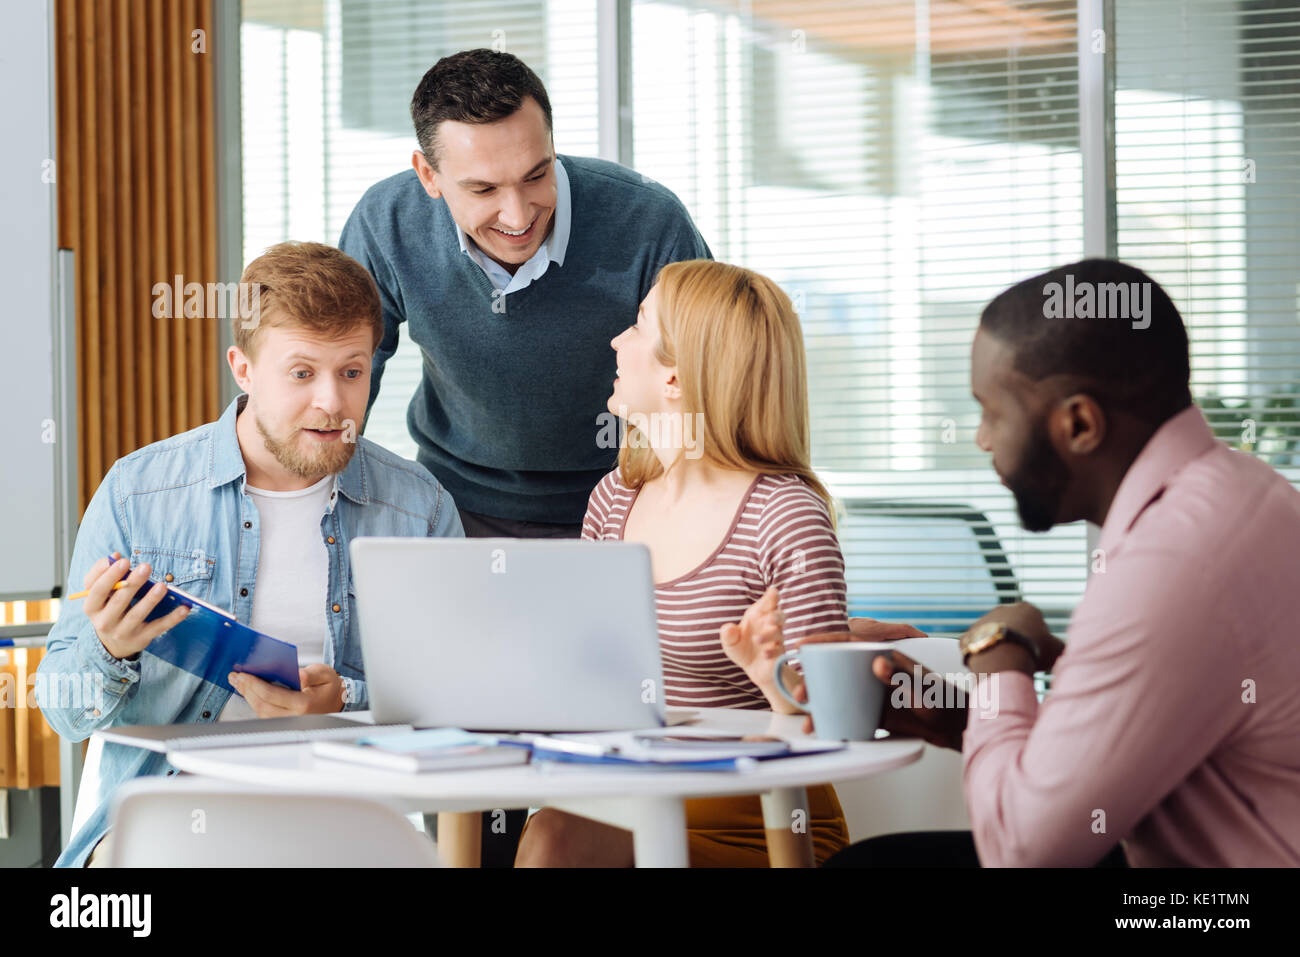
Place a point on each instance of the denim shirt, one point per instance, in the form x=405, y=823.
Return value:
x=180, y=505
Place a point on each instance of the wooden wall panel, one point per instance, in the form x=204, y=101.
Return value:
x=36, y=746
x=137, y=203
x=29, y=747
x=9, y=692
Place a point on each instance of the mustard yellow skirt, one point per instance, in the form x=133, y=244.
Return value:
x=728, y=832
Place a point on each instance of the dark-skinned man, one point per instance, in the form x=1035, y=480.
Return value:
x=1171, y=725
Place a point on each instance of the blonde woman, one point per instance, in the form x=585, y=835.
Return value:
x=714, y=478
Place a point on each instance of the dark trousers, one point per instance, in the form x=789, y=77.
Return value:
x=930, y=849
x=498, y=849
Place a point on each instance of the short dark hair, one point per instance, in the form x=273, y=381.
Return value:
x=473, y=86
x=1143, y=371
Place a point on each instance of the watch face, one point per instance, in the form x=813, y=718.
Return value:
x=981, y=637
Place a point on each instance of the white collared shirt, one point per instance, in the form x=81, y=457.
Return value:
x=552, y=250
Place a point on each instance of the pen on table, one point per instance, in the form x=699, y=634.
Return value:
x=22, y=642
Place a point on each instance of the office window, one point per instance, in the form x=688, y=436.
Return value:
x=1207, y=128
x=326, y=89
x=893, y=166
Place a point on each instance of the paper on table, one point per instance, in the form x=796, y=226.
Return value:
x=627, y=746
x=937, y=654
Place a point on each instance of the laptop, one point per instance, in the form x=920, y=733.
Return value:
x=505, y=634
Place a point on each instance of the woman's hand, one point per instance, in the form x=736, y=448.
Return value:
x=756, y=642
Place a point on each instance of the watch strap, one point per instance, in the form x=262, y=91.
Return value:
x=1000, y=634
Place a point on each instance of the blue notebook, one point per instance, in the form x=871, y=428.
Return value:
x=211, y=643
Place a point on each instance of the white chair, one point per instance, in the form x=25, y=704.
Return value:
x=925, y=796
x=88, y=787
x=198, y=822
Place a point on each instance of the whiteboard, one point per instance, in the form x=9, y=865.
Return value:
x=37, y=448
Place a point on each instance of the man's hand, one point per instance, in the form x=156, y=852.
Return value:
x=1024, y=619
x=1004, y=656
x=122, y=630
x=322, y=693
x=868, y=629
x=942, y=727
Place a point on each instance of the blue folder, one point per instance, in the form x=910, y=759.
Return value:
x=570, y=750
x=211, y=643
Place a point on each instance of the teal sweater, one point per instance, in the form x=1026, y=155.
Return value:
x=507, y=413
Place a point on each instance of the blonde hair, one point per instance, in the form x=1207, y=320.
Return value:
x=735, y=339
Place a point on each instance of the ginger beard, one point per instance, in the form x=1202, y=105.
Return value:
x=327, y=458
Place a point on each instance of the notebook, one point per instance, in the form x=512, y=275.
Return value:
x=211, y=643
x=433, y=749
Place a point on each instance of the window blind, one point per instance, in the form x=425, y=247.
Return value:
x=1207, y=129
x=893, y=165
x=326, y=91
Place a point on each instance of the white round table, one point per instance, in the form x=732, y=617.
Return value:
x=648, y=803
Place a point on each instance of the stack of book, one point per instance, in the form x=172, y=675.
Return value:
x=432, y=749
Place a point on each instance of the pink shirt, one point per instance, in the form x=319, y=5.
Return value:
x=1173, y=722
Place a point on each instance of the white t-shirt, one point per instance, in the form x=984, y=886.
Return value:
x=292, y=576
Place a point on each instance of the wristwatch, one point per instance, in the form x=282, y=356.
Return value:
x=985, y=636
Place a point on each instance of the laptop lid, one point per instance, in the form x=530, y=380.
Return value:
x=509, y=634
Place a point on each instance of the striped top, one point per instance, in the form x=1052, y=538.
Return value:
x=781, y=535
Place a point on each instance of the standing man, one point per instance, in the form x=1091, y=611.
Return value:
x=513, y=268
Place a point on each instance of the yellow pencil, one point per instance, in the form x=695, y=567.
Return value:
x=83, y=594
